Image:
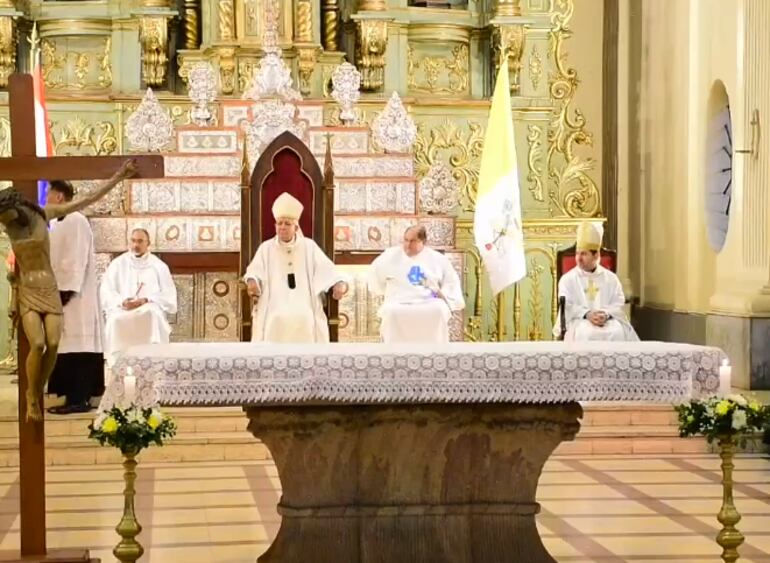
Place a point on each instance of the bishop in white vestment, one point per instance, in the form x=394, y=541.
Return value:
x=289, y=276
x=594, y=306
x=79, y=371
x=421, y=290
x=138, y=293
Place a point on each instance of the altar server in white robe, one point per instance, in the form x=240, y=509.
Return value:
x=594, y=308
x=288, y=277
x=137, y=293
x=421, y=290
x=79, y=371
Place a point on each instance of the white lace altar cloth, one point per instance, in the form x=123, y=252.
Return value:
x=222, y=374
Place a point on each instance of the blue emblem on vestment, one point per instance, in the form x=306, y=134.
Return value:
x=416, y=275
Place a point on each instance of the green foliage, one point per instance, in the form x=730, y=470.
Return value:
x=734, y=415
x=131, y=429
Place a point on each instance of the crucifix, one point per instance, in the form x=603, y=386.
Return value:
x=24, y=169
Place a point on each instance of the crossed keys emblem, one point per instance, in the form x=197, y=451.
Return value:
x=502, y=227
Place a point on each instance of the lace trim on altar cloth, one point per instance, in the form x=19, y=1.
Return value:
x=661, y=374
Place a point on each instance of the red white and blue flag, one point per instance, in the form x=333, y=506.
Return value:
x=43, y=144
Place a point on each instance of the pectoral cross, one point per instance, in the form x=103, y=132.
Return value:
x=591, y=290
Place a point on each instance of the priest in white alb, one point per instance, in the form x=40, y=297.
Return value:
x=421, y=290
x=594, y=300
x=79, y=371
x=137, y=294
x=288, y=278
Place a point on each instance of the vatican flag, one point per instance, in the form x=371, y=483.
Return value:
x=497, y=221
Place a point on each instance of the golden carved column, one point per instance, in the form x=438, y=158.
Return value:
x=307, y=52
x=331, y=22
x=8, y=14
x=508, y=8
x=226, y=36
x=154, y=16
x=371, y=43
x=226, y=20
x=191, y=24
x=508, y=36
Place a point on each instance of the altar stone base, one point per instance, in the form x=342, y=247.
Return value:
x=423, y=483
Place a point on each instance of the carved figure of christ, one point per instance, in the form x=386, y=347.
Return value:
x=24, y=169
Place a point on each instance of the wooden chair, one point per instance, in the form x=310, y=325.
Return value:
x=565, y=261
x=287, y=165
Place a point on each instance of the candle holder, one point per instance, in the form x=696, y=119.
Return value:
x=728, y=420
x=729, y=538
x=128, y=550
x=130, y=429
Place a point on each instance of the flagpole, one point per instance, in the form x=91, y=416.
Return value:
x=500, y=317
x=34, y=47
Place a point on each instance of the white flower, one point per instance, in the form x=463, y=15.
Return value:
x=739, y=419
x=135, y=415
x=738, y=399
x=99, y=420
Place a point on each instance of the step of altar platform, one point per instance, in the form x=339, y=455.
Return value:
x=214, y=434
x=618, y=428
x=219, y=434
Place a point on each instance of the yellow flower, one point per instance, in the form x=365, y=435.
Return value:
x=153, y=421
x=722, y=408
x=110, y=425
x=753, y=405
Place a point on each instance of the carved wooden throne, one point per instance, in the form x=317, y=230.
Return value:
x=287, y=165
x=565, y=261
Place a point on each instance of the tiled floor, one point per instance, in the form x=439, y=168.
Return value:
x=595, y=509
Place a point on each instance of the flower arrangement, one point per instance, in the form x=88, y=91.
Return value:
x=715, y=417
x=131, y=429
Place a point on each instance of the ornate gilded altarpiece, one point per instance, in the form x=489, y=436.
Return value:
x=98, y=59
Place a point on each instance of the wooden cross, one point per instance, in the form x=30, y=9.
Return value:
x=24, y=169
x=591, y=290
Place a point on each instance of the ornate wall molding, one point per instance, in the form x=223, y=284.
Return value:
x=508, y=45
x=440, y=74
x=535, y=63
x=371, y=43
x=7, y=44
x=76, y=136
x=76, y=63
x=153, y=35
x=460, y=148
x=571, y=191
x=534, y=162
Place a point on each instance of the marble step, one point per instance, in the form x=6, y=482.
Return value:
x=208, y=434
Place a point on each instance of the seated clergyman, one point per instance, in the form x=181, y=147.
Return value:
x=288, y=278
x=421, y=290
x=594, y=300
x=137, y=293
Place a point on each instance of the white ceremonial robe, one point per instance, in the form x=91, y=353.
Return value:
x=74, y=266
x=599, y=290
x=283, y=314
x=411, y=312
x=130, y=277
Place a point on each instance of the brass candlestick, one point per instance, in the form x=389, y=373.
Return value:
x=128, y=550
x=729, y=538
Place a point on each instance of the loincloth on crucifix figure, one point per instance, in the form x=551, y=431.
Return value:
x=35, y=294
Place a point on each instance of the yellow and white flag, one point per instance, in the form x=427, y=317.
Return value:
x=497, y=221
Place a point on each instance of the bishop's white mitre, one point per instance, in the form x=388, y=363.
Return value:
x=286, y=206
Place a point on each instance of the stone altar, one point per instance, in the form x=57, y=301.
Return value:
x=394, y=453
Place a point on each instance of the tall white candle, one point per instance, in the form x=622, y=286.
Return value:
x=725, y=377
